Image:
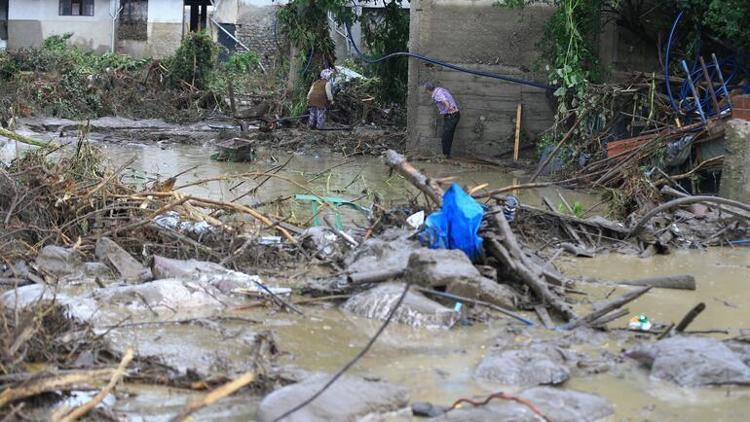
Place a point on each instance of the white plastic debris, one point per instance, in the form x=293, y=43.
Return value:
x=416, y=220
x=171, y=220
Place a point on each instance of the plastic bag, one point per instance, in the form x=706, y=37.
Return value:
x=456, y=224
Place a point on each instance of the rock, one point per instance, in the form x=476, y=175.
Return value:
x=416, y=309
x=162, y=296
x=440, y=267
x=741, y=348
x=485, y=290
x=348, y=399
x=391, y=250
x=81, y=309
x=128, y=267
x=224, y=279
x=523, y=367
x=556, y=404
x=693, y=361
x=59, y=262
x=98, y=270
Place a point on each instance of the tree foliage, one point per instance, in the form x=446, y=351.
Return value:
x=387, y=35
x=194, y=61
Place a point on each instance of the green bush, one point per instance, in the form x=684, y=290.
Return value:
x=244, y=62
x=194, y=61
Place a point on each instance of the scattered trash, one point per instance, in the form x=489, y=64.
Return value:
x=510, y=208
x=639, y=323
x=416, y=220
x=456, y=225
x=172, y=220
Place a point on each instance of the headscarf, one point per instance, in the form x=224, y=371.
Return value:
x=326, y=74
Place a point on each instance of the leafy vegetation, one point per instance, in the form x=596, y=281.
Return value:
x=383, y=36
x=194, y=61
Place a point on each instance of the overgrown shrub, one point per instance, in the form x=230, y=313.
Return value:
x=194, y=61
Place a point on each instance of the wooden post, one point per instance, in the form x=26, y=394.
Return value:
x=517, y=146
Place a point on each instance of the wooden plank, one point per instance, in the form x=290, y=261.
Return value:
x=517, y=147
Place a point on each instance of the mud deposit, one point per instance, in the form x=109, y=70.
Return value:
x=434, y=365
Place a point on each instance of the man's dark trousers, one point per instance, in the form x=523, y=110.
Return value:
x=450, y=121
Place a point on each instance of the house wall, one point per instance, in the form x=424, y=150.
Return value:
x=31, y=21
x=477, y=35
x=164, y=31
x=257, y=27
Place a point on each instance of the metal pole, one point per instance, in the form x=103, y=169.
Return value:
x=695, y=91
x=721, y=79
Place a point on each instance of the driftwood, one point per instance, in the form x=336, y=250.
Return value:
x=91, y=404
x=638, y=227
x=78, y=380
x=22, y=139
x=677, y=282
x=216, y=395
x=476, y=302
x=430, y=188
x=690, y=317
x=506, y=249
x=606, y=308
x=376, y=276
x=600, y=322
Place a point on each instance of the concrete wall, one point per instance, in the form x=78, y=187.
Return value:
x=164, y=31
x=31, y=21
x=477, y=35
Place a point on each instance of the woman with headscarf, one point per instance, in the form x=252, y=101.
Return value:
x=319, y=98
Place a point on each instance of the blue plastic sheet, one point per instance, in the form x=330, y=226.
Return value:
x=456, y=224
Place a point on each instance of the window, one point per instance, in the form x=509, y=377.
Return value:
x=76, y=7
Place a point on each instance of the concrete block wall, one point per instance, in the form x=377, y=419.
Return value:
x=256, y=29
x=478, y=35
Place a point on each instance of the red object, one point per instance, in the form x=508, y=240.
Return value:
x=741, y=107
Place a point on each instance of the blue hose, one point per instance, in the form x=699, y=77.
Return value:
x=443, y=64
x=309, y=61
x=666, y=61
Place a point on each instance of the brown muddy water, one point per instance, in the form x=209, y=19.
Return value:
x=437, y=365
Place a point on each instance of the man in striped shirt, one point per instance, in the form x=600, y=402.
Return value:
x=447, y=108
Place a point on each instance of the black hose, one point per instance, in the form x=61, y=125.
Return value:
x=444, y=64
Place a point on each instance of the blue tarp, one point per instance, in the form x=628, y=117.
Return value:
x=456, y=224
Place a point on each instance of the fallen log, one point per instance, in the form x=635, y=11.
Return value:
x=430, y=188
x=606, y=308
x=677, y=282
x=376, y=276
x=511, y=255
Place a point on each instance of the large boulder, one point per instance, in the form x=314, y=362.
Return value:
x=391, y=250
x=348, y=399
x=440, y=267
x=524, y=367
x=693, y=361
x=415, y=310
x=485, y=290
x=555, y=404
x=110, y=253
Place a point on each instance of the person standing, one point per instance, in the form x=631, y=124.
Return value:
x=319, y=98
x=447, y=108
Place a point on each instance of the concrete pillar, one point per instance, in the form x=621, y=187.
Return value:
x=735, y=175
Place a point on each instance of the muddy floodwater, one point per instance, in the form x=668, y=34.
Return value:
x=437, y=365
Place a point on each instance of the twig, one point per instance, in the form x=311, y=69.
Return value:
x=216, y=395
x=89, y=405
x=557, y=148
x=477, y=302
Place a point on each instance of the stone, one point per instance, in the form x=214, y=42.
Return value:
x=440, y=267
x=416, y=310
x=166, y=296
x=735, y=175
x=390, y=250
x=348, y=399
x=556, y=404
x=204, y=272
x=485, y=290
x=523, y=367
x=128, y=267
x=59, y=262
x=693, y=361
